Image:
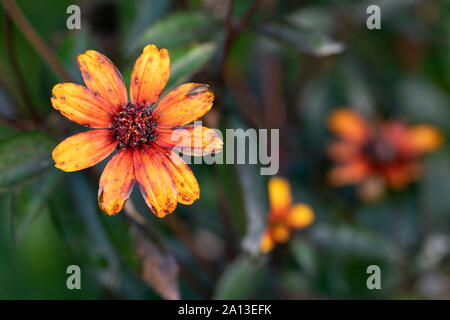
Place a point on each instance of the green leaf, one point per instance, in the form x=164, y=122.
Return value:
x=187, y=61
x=255, y=195
x=305, y=255
x=313, y=43
x=179, y=29
x=29, y=201
x=240, y=280
x=23, y=156
x=76, y=214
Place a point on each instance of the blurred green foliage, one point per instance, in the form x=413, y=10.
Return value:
x=271, y=64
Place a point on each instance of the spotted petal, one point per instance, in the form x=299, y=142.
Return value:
x=102, y=77
x=81, y=105
x=116, y=182
x=150, y=74
x=83, y=150
x=155, y=182
x=184, y=104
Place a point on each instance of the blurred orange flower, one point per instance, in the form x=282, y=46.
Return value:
x=139, y=129
x=389, y=152
x=283, y=216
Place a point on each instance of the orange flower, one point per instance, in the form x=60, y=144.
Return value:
x=389, y=151
x=283, y=217
x=140, y=129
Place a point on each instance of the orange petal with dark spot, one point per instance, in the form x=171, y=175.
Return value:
x=102, y=77
x=155, y=182
x=184, y=180
x=191, y=140
x=348, y=125
x=150, y=74
x=81, y=105
x=83, y=150
x=184, y=104
x=116, y=182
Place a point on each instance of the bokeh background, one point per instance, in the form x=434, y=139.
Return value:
x=271, y=64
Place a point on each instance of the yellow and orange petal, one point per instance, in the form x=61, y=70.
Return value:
x=353, y=172
x=267, y=243
x=150, y=75
x=348, y=125
x=155, y=182
x=183, y=179
x=191, y=140
x=424, y=138
x=116, y=182
x=81, y=105
x=279, y=196
x=102, y=77
x=184, y=104
x=300, y=216
x=84, y=150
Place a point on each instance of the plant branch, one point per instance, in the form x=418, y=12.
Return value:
x=21, y=83
x=34, y=38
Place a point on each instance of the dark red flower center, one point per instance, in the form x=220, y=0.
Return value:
x=134, y=126
x=380, y=151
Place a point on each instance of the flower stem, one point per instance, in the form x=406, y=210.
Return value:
x=34, y=38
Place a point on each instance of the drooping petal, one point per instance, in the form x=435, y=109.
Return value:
x=348, y=125
x=300, y=216
x=184, y=104
x=424, y=138
x=116, y=182
x=83, y=150
x=81, y=105
x=267, y=243
x=353, y=172
x=191, y=140
x=279, y=196
x=400, y=175
x=150, y=74
x=102, y=77
x=155, y=183
x=183, y=179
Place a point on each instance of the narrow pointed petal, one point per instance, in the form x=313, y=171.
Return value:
x=150, y=74
x=183, y=179
x=81, y=105
x=116, y=182
x=155, y=182
x=102, y=77
x=84, y=150
x=184, y=104
x=279, y=195
x=191, y=140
